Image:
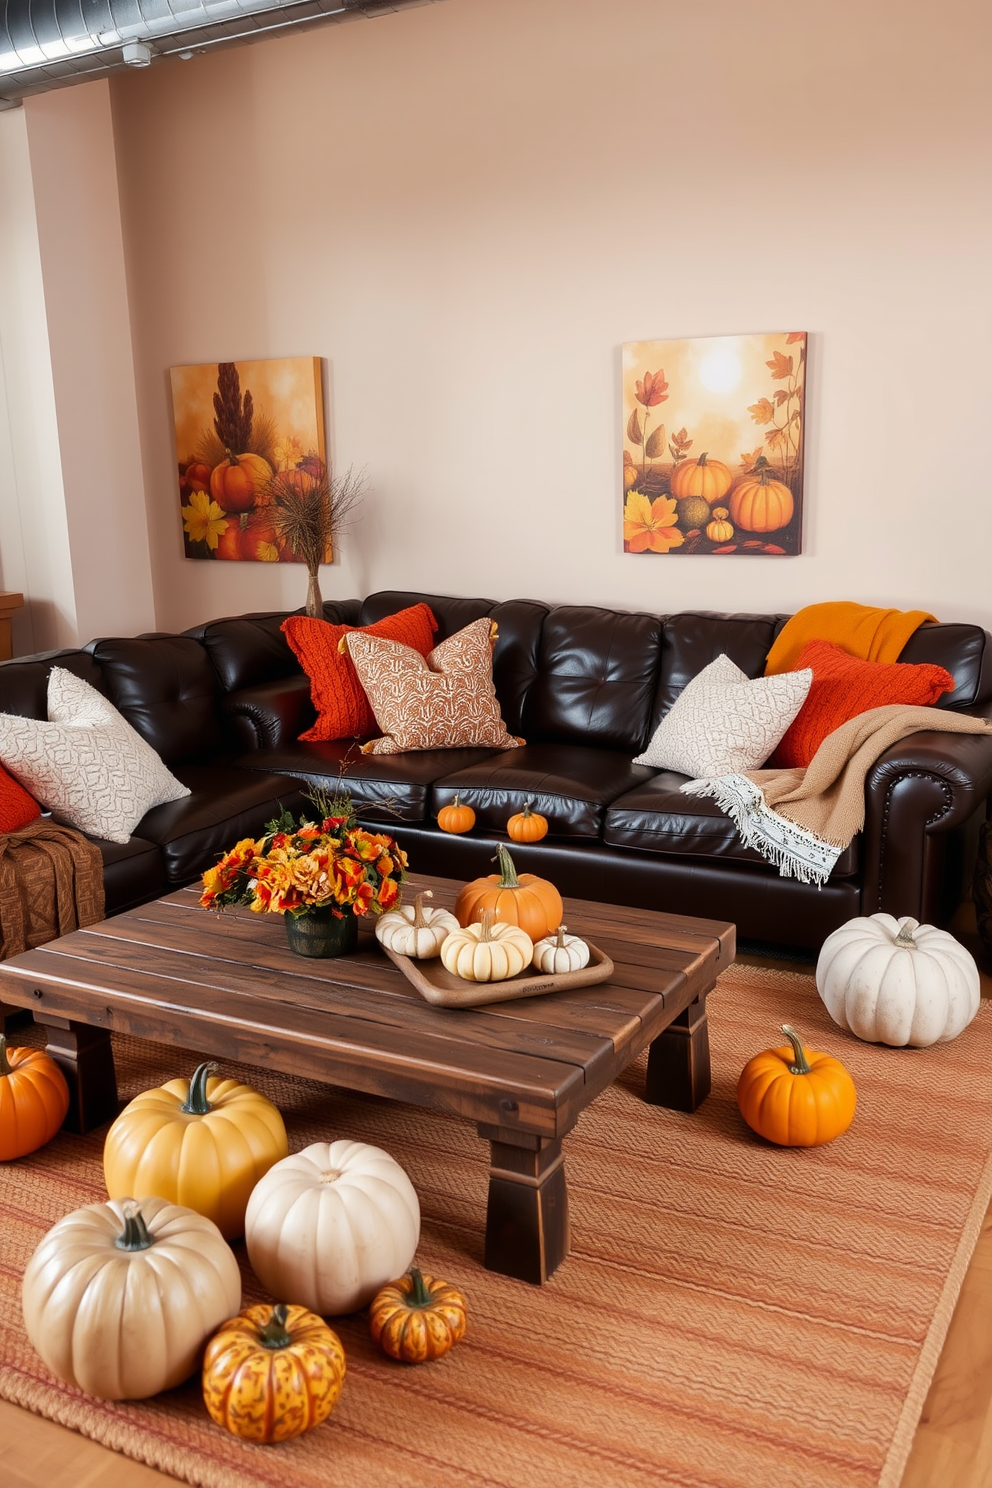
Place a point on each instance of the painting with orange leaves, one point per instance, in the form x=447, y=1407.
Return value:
x=246, y=432
x=713, y=445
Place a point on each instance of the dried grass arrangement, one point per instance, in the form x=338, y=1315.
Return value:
x=311, y=509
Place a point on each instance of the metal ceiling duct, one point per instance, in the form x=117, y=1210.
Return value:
x=47, y=43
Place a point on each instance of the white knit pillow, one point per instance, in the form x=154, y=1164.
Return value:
x=724, y=722
x=87, y=765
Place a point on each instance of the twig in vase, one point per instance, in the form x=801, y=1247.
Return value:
x=310, y=514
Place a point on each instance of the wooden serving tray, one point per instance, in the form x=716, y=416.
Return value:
x=442, y=988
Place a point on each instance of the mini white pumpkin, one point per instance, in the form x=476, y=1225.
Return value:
x=327, y=1227
x=120, y=1298
x=560, y=952
x=412, y=930
x=488, y=951
x=897, y=983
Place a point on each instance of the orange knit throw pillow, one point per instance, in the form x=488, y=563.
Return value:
x=844, y=686
x=17, y=808
x=343, y=710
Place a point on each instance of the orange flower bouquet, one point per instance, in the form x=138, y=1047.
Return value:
x=322, y=876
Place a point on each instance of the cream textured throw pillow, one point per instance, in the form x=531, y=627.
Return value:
x=724, y=722
x=443, y=701
x=87, y=765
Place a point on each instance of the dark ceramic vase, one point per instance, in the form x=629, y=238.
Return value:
x=321, y=933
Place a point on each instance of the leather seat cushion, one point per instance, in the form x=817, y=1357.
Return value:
x=225, y=805
x=570, y=784
x=656, y=817
x=386, y=787
x=133, y=873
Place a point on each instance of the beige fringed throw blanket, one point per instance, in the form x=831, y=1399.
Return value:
x=51, y=882
x=802, y=820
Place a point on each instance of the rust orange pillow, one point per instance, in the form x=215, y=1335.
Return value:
x=343, y=710
x=844, y=686
x=17, y=808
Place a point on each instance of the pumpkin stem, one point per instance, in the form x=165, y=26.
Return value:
x=486, y=933
x=5, y=1068
x=802, y=1065
x=418, y=1294
x=196, y=1103
x=905, y=936
x=527, y=811
x=507, y=873
x=135, y=1234
x=275, y=1334
x=420, y=920
x=702, y=458
x=560, y=940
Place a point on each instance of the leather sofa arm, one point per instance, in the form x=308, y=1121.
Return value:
x=270, y=715
x=916, y=795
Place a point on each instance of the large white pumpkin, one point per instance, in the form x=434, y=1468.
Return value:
x=126, y=1323
x=328, y=1227
x=897, y=982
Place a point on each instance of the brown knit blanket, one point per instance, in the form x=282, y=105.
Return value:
x=51, y=882
x=802, y=820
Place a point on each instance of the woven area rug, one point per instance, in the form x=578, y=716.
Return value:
x=731, y=1313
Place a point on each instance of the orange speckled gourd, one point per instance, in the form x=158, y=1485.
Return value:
x=417, y=1318
x=272, y=1373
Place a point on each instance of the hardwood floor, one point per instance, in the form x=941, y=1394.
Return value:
x=952, y=1447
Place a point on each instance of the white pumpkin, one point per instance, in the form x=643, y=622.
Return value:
x=120, y=1298
x=559, y=953
x=412, y=930
x=327, y=1227
x=898, y=983
x=488, y=951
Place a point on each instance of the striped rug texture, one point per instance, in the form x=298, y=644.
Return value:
x=731, y=1315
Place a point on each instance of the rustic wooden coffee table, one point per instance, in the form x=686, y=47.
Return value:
x=524, y=1071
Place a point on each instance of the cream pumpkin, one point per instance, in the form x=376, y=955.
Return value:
x=120, y=1298
x=330, y=1225
x=412, y=930
x=897, y=982
x=487, y=952
x=559, y=953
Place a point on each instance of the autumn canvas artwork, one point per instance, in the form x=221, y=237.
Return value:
x=713, y=445
x=247, y=435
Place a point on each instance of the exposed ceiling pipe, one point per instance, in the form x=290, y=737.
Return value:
x=46, y=44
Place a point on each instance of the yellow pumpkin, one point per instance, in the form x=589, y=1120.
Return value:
x=272, y=1373
x=704, y=477
x=796, y=1097
x=202, y=1142
x=487, y=952
x=760, y=504
x=417, y=1318
x=719, y=530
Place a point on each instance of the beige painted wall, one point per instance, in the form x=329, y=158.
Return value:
x=468, y=208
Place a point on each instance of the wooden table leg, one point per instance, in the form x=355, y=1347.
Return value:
x=527, y=1218
x=85, y=1057
x=679, y=1061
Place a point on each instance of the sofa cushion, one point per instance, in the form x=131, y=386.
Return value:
x=965, y=651
x=167, y=689
x=24, y=681
x=655, y=817
x=383, y=787
x=133, y=873
x=694, y=638
x=570, y=784
x=251, y=650
x=225, y=805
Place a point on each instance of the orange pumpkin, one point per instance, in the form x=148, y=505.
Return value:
x=527, y=825
x=528, y=901
x=456, y=817
x=250, y=536
x=796, y=1097
x=719, y=530
x=760, y=504
x=236, y=482
x=272, y=1373
x=704, y=477
x=197, y=476
x=34, y=1099
x=417, y=1318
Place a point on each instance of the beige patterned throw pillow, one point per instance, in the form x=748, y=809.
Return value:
x=724, y=721
x=443, y=701
x=87, y=765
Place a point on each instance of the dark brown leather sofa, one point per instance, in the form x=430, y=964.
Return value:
x=225, y=702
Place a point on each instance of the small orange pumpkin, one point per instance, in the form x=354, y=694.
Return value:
x=197, y=476
x=456, y=817
x=34, y=1099
x=528, y=901
x=704, y=477
x=236, y=481
x=417, y=1318
x=796, y=1097
x=527, y=825
x=252, y=536
x=719, y=530
x=760, y=504
x=272, y=1373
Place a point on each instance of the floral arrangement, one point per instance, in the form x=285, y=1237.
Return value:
x=297, y=867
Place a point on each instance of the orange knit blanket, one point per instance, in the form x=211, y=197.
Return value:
x=864, y=631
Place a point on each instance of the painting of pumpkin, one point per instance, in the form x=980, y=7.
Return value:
x=714, y=425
